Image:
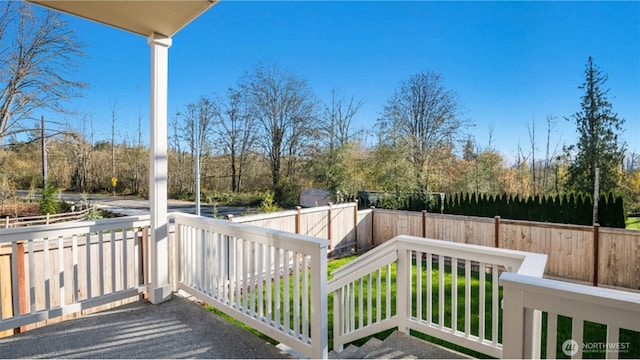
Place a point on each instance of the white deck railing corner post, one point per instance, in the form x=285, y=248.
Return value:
x=319, y=304
x=403, y=288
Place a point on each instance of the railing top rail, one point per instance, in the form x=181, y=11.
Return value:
x=573, y=291
x=521, y=262
x=71, y=228
x=278, y=238
x=356, y=266
x=380, y=256
x=564, y=298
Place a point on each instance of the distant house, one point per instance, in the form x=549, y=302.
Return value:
x=315, y=197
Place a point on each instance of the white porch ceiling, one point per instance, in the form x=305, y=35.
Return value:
x=142, y=17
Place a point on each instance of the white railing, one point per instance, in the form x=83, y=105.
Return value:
x=615, y=309
x=273, y=281
x=430, y=277
x=49, y=271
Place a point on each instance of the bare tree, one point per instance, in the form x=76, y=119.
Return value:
x=36, y=64
x=427, y=117
x=550, y=154
x=81, y=151
x=198, y=118
x=178, y=173
x=284, y=108
x=236, y=131
x=336, y=120
x=532, y=140
x=490, y=131
x=113, y=140
x=332, y=164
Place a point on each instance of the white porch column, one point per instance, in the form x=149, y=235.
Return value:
x=160, y=289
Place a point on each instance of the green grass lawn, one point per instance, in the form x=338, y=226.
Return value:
x=448, y=280
x=633, y=223
x=592, y=332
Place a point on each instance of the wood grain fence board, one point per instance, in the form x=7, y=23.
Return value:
x=619, y=250
x=365, y=239
x=342, y=228
x=315, y=224
x=6, y=299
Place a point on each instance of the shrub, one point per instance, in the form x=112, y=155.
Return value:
x=48, y=202
x=268, y=204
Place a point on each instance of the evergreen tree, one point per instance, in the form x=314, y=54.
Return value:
x=618, y=209
x=604, y=216
x=512, y=210
x=566, y=209
x=504, y=206
x=473, y=205
x=598, y=145
x=543, y=213
x=558, y=209
x=586, y=210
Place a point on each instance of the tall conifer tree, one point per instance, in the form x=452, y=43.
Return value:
x=598, y=145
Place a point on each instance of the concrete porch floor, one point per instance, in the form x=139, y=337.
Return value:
x=175, y=329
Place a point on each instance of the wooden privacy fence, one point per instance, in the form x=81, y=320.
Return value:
x=601, y=256
x=336, y=223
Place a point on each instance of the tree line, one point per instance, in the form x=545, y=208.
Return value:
x=270, y=132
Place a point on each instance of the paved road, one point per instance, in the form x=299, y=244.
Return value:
x=127, y=205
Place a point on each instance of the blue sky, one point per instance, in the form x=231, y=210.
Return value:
x=509, y=62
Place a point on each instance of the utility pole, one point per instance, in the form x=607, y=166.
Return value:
x=197, y=164
x=113, y=146
x=113, y=152
x=43, y=147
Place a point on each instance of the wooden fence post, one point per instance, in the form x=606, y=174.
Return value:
x=6, y=222
x=596, y=252
x=497, y=232
x=22, y=289
x=143, y=259
x=424, y=223
x=373, y=227
x=355, y=224
x=298, y=216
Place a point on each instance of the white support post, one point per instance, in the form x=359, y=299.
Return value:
x=159, y=288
